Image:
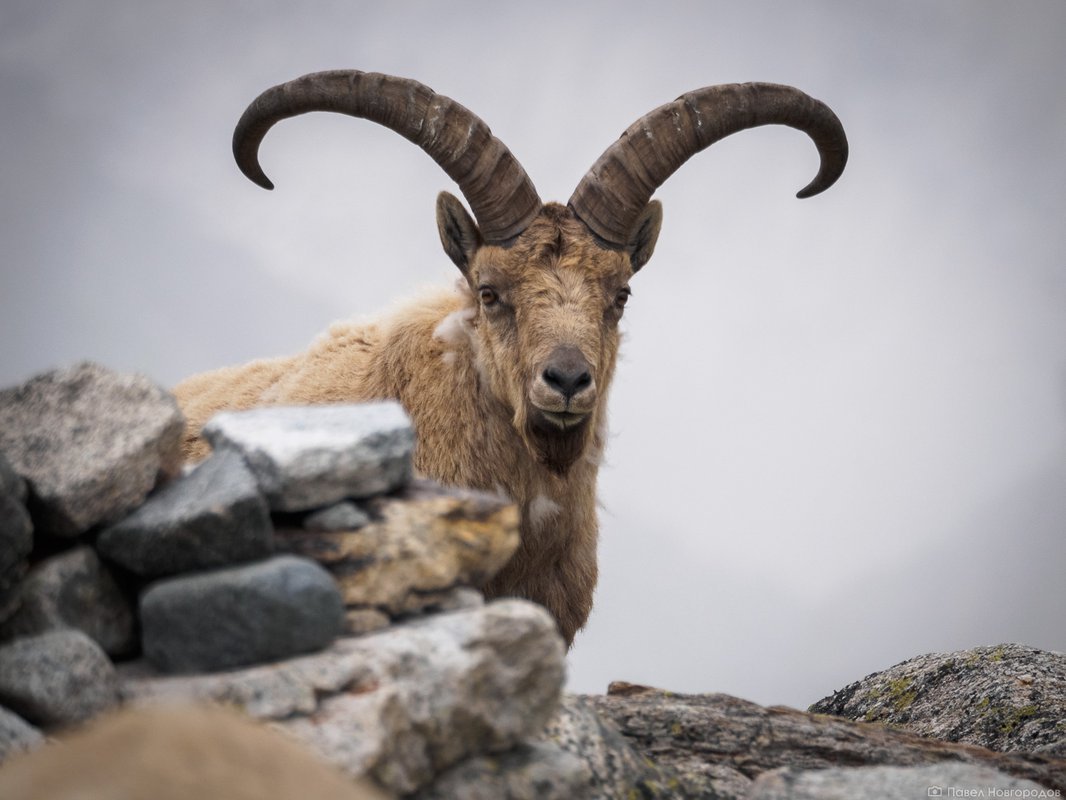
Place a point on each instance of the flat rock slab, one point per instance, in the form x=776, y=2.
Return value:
x=420, y=542
x=402, y=704
x=212, y=517
x=56, y=678
x=717, y=743
x=75, y=590
x=878, y=783
x=1007, y=698
x=241, y=615
x=89, y=442
x=308, y=457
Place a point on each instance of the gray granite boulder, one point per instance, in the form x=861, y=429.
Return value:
x=243, y=615
x=212, y=517
x=1006, y=698
x=342, y=516
x=56, y=678
x=16, y=735
x=75, y=590
x=90, y=443
x=308, y=457
x=403, y=704
x=878, y=783
x=16, y=536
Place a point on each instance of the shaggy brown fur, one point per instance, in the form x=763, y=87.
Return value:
x=469, y=367
x=176, y=753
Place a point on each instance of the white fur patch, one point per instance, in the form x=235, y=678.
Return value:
x=454, y=329
x=542, y=509
x=448, y=357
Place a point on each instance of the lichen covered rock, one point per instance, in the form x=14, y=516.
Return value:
x=420, y=543
x=1007, y=698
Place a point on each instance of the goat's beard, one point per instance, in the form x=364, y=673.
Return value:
x=554, y=447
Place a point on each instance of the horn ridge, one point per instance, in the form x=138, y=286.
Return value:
x=615, y=190
x=452, y=135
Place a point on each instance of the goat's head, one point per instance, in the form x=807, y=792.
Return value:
x=547, y=282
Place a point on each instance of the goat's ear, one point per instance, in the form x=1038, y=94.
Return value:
x=645, y=234
x=458, y=232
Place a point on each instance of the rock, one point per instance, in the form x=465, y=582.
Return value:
x=422, y=541
x=1007, y=698
x=614, y=770
x=241, y=615
x=402, y=704
x=75, y=590
x=313, y=456
x=90, y=442
x=877, y=783
x=212, y=517
x=176, y=754
x=343, y=516
x=538, y=771
x=445, y=600
x=716, y=743
x=16, y=736
x=16, y=536
x=56, y=678
x=358, y=621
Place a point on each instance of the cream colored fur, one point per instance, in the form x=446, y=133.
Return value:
x=176, y=753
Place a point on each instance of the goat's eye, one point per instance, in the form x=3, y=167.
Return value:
x=488, y=295
x=622, y=297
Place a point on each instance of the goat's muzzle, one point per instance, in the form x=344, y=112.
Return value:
x=564, y=393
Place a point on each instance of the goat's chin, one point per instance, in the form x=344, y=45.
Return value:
x=558, y=440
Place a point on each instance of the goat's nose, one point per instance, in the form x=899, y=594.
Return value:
x=567, y=372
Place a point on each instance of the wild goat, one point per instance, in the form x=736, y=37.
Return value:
x=506, y=380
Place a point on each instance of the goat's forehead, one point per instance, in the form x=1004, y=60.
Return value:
x=573, y=271
x=570, y=258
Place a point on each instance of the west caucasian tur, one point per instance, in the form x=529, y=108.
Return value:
x=505, y=379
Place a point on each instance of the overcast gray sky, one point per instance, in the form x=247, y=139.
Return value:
x=839, y=425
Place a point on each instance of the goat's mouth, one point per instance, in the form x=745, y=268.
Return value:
x=558, y=438
x=558, y=421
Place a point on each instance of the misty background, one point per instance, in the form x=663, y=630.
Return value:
x=838, y=429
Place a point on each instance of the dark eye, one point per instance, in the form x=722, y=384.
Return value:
x=622, y=297
x=488, y=295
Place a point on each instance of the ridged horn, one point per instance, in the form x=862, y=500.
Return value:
x=501, y=195
x=613, y=193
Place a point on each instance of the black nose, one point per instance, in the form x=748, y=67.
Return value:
x=567, y=372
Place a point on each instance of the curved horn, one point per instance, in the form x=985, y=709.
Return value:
x=500, y=194
x=613, y=193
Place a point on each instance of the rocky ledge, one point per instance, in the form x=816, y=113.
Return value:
x=298, y=616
